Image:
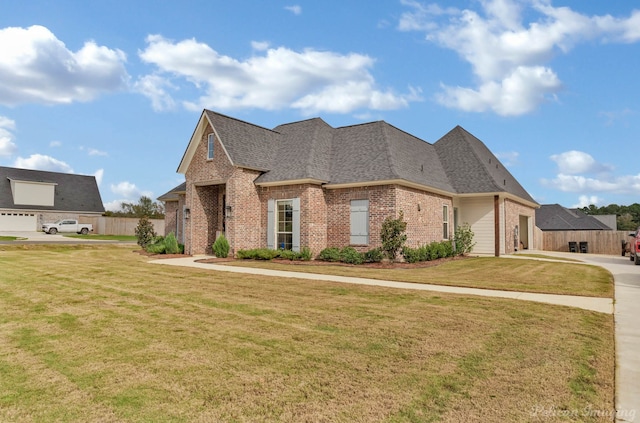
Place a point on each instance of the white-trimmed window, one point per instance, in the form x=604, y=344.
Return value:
x=210, y=144
x=445, y=222
x=283, y=224
x=359, y=222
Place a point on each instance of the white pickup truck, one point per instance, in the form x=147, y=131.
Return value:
x=67, y=225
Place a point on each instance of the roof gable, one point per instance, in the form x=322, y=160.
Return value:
x=245, y=144
x=77, y=193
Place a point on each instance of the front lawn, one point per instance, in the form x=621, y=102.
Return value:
x=95, y=333
x=475, y=272
x=122, y=238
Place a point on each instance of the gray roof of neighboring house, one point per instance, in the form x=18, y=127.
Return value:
x=78, y=193
x=554, y=217
x=377, y=151
x=174, y=194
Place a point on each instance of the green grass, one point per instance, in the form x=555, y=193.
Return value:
x=475, y=272
x=95, y=333
x=10, y=238
x=123, y=238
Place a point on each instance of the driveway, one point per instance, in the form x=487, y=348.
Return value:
x=626, y=317
x=36, y=237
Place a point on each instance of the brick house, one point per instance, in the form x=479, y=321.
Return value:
x=309, y=184
x=28, y=198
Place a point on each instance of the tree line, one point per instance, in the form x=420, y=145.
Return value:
x=145, y=207
x=627, y=217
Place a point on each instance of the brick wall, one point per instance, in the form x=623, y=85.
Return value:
x=382, y=203
x=205, y=202
x=313, y=213
x=423, y=212
x=513, y=211
x=243, y=222
x=170, y=219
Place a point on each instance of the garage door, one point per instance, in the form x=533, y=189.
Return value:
x=18, y=222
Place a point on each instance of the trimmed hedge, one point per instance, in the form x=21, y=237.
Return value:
x=428, y=252
x=269, y=254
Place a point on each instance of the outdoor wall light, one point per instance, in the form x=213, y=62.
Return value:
x=227, y=211
x=418, y=206
x=187, y=213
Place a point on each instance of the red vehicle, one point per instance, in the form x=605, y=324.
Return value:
x=634, y=246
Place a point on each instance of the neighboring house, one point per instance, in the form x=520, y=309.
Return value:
x=309, y=184
x=554, y=217
x=28, y=198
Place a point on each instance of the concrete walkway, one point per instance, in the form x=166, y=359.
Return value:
x=602, y=305
x=626, y=314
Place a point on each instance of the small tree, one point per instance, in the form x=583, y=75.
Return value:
x=144, y=232
x=463, y=239
x=171, y=244
x=393, y=235
x=221, y=247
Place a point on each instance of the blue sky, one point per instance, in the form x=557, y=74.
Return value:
x=114, y=89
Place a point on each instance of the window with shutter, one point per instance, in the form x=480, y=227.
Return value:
x=359, y=222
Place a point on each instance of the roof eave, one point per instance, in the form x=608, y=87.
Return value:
x=292, y=182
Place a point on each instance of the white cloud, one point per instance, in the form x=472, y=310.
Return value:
x=36, y=67
x=115, y=205
x=7, y=146
x=295, y=9
x=95, y=152
x=155, y=88
x=575, y=162
x=587, y=200
x=260, y=45
x=42, y=162
x=99, y=174
x=311, y=80
x=54, y=144
x=126, y=190
x=508, y=55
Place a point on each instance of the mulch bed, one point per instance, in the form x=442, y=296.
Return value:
x=383, y=265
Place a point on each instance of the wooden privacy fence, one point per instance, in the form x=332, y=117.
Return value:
x=598, y=242
x=104, y=225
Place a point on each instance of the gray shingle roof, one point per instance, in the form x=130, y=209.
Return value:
x=248, y=145
x=473, y=168
x=78, y=193
x=554, y=217
x=174, y=194
x=377, y=151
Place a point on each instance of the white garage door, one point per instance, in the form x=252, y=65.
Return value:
x=18, y=222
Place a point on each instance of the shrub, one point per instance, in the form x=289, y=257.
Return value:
x=171, y=244
x=373, y=256
x=411, y=255
x=266, y=254
x=330, y=254
x=351, y=255
x=393, y=236
x=463, y=239
x=221, y=247
x=181, y=248
x=156, y=248
x=306, y=254
x=144, y=232
x=289, y=255
x=447, y=248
